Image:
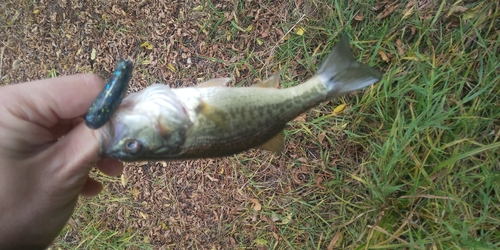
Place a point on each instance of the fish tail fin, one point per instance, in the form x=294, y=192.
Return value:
x=342, y=74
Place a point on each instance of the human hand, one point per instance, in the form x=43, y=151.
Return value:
x=46, y=154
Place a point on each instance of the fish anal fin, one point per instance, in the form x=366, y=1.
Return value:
x=214, y=114
x=274, y=144
x=217, y=82
x=271, y=82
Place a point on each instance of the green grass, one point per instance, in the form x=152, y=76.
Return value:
x=411, y=163
x=428, y=133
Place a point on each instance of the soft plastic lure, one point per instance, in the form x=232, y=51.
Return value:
x=107, y=102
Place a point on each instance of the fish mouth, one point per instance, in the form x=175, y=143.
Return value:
x=110, y=133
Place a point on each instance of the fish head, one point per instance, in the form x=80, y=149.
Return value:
x=145, y=127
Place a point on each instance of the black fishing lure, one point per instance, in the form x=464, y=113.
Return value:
x=107, y=102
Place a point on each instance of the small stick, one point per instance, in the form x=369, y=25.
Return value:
x=1, y=60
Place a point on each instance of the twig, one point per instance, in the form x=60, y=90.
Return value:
x=1, y=62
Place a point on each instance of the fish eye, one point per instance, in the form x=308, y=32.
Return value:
x=133, y=146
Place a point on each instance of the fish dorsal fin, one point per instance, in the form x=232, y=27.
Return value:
x=214, y=114
x=275, y=144
x=217, y=82
x=271, y=82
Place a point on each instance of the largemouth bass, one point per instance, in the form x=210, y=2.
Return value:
x=210, y=120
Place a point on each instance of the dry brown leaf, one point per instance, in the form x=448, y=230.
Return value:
x=335, y=240
x=384, y=56
x=265, y=33
x=399, y=46
x=319, y=180
x=212, y=178
x=456, y=10
x=408, y=10
x=256, y=204
x=359, y=17
x=301, y=118
x=321, y=137
x=276, y=237
x=388, y=10
x=296, y=179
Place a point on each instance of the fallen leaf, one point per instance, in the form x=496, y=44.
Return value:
x=287, y=218
x=261, y=242
x=276, y=237
x=335, y=242
x=274, y=217
x=147, y=45
x=321, y=137
x=300, y=31
x=265, y=33
x=301, y=118
x=339, y=108
x=359, y=17
x=135, y=193
x=123, y=180
x=256, y=204
x=456, y=10
x=384, y=56
x=387, y=11
x=409, y=9
x=237, y=72
x=212, y=178
x=399, y=45
x=249, y=28
x=171, y=67
x=319, y=179
x=198, y=8
x=36, y=11
x=295, y=177
x=259, y=42
x=93, y=54
x=460, y=9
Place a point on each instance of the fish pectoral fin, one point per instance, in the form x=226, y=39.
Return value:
x=271, y=82
x=275, y=144
x=217, y=82
x=214, y=114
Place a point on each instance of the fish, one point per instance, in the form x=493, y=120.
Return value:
x=109, y=99
x=211, y=120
